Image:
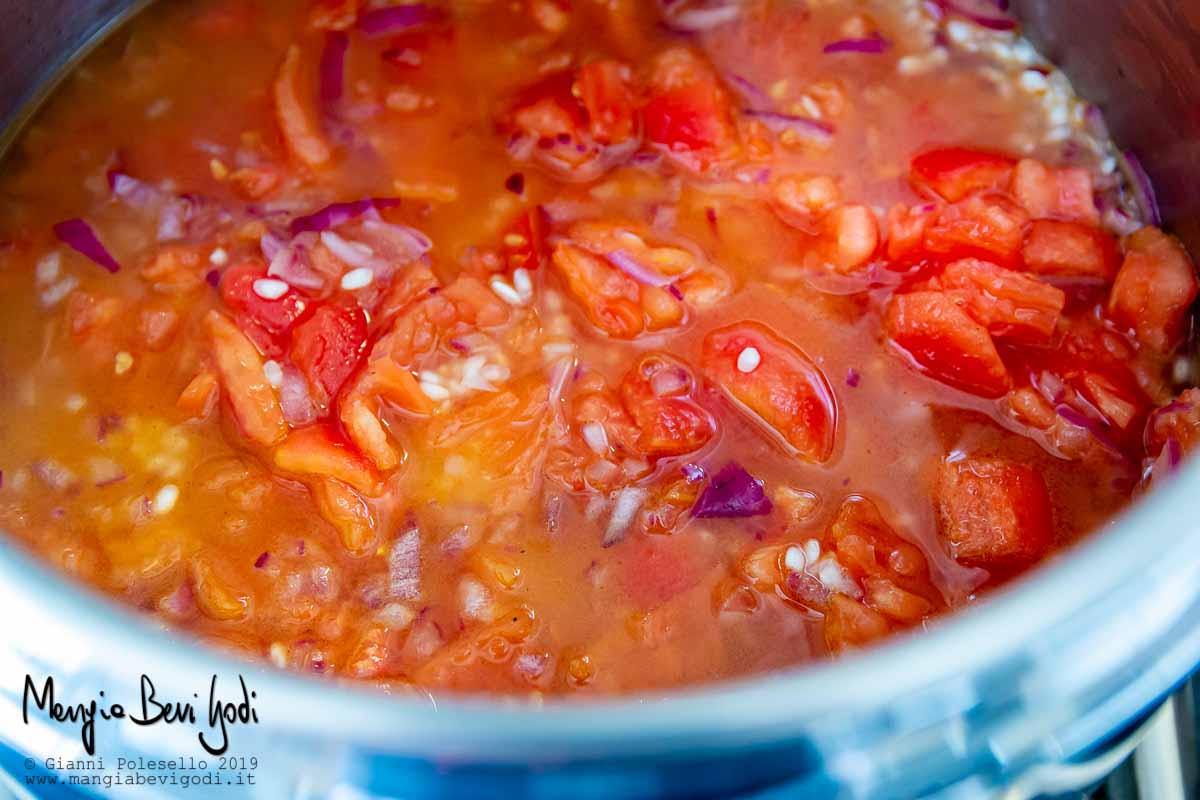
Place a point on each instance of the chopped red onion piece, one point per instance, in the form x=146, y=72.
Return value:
x=295, y=399
x=138, y=194
x=853, y=378
x=213, y=278
x=810, y=128
x=397, y=19
x=753, y=95
x=629, y=500
x=333, y=66
x=874, y=44
x=291, y=266
x=395, y=244
x=78, y=235
x=338, y=213
x=173, y=218
x=698, y=19
x=636, y=270
x=1092, y=426
x=531, y=666
x=262, y=560
x=1143, y=189
x=404, y=565
x=692, y=473
x=984, y=13
x=733, y=492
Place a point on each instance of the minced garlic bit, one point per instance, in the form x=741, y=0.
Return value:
x=48, y=267
x=165, y=499
x=218, y=169
x=435, y=391
x=357, y=279
x=748, y=360
x=75, y=403
x=123, y=363
x=506, y=293
x=270, y=288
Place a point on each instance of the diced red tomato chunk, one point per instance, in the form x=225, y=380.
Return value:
x=1154, y=289
x=268, y=322
x=1009, y=304
x=605, y=91
x=1069, y=249
x=943, y=339
x=329, y=346
x=776, y=383
x=987, y=226
x=993, y=513
x=1048, y=193
x=657, y=394
x=955, y=172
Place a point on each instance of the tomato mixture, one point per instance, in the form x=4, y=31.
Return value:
x=547, y=348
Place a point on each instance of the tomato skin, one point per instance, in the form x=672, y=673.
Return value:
x=1009, y=304
x=671, y=424
x=1154, y=290
x=1069, y=249
x=530, y=252
x=267, y=322
x=944, y=340
x=605, y=92
x=987, y=226
x=786, y=392
x=955, y=172
x=329, y=346
x=320, y=450
x=691, y=117
x=993, y=513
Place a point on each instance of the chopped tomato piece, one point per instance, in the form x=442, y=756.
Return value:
x=906, y=227
x=1178, y=421
x=1069, y=249
x=656, y=393
x=196, y=399
x=605, y=92
x=610, y=298
x=1047, y=193
x=941, y=338
x=889, y=599
x=849, y=624
x=267, y=322
x=1009, y=304
x=346, y=510
x=852, y=234
x=777, y=384
x=955, y=172
x=329, y=346
x=870, y=549
x=690, y=117
x=988, y=226
x=241, y=370
x=317, y=450
x=1154, y=289
x=993, y=513
x=296, y=115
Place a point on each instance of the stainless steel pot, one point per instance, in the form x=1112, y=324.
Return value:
x=998, y=697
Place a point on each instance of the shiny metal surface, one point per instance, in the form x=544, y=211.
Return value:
x=1043, y=673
